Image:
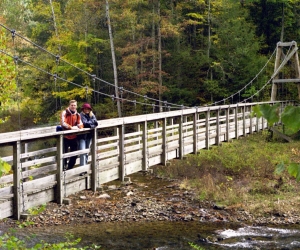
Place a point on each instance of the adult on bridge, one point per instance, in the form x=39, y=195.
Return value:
x=70, y=120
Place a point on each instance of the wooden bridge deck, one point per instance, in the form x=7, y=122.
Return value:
x=120, y=147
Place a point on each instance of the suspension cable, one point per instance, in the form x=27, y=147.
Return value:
x=85, y=72
x=134, y=93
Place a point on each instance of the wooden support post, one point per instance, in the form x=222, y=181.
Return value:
x=121, y=130
x=257, y=124
x=251, y=121
x=164, y=156
x=60, y=172
x=236, y=110
x=145, y=146
x=227, y=124
x=297, y=68
x=138, y=129
x=94, y=165
x=218, y=127
x=276, y=65
x=171, y=124
x=17, y=179
x=195, y=132
x=156, y=125
x=244, y=121
x=207, y=131
x=180, y=132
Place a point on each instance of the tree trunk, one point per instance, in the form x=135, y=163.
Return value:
x=159, y=59
x=113, y=59
x=208, y=22
x=282, y=24
x=153, y=39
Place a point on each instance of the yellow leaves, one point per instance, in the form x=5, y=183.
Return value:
x=196, y=16
x=168, y=29
x=149, y=87
x=295, y=151
x=7, y=76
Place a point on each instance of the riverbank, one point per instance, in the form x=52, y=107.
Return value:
x=147, y=198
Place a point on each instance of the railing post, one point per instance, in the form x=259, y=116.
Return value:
x=227, y=124
x=207, y=132
x=244, y=120
x=262, y=123
x=218, y=127
x=251, y=121
x=94, y=153
x=195, y=132
x=236, y=110
x=121, y=130
x=17, y=179
x=257, y=124
x=180, y=134
x=145, y=146
x=164, y=156
x=60, y=163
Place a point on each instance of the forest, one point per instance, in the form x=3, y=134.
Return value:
x=132, y=57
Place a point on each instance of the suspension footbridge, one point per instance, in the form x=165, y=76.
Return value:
x=125, y=145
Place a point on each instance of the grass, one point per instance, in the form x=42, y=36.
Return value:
x=241, y=173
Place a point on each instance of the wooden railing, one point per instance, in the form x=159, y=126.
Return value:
x=120, y=147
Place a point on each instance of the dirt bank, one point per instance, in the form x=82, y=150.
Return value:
x=145, y=198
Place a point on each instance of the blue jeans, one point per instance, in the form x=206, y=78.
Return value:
x=84, y=144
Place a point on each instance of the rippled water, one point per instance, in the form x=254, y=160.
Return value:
x=170, y=236
x=259, y=238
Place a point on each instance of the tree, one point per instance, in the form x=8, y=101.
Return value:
x=235, y=58
x=275, y=20
x=113, y=59
x=8, y=86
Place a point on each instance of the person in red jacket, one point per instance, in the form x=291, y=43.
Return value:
x=70, y=120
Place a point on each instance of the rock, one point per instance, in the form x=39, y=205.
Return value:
x=104, y=196
x=129, y=193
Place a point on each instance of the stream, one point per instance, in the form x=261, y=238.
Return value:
x=168, y=235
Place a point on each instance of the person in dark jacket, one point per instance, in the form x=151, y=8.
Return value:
x=89, y=121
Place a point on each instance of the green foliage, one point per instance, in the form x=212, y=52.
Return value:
x=194, y=246
x=292, y=168
x=10, y=242
x=234, y=170
x=23, y=224
x=37, y=210
x=4, y=167
x=269, y=112
x=208, y=51
x=7, y=77
x=291, y=118
x=269, y=16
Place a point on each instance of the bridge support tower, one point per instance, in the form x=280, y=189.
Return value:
x=280, y=61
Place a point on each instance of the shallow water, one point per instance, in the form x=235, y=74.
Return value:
x=166, y=235
x=170, y=236
x=260, y=238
